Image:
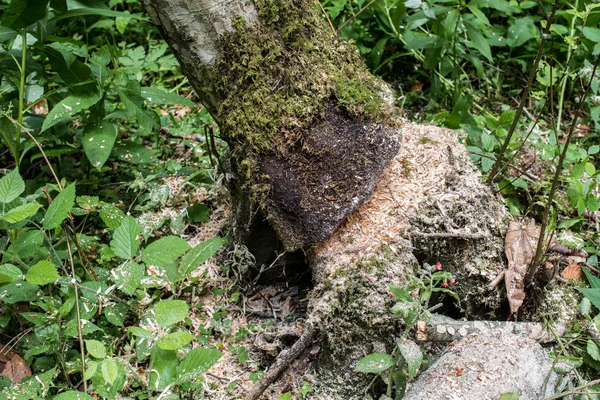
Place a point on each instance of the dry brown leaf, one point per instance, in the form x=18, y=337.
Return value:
x=520, y=245
x=288, y=307
x=573, y=272
x=13, y=366
x=416, y=87
x=422, y=331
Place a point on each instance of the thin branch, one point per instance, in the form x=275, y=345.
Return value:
x=326, y=15
x=356, y=15
x=525, y=94
x=541, y=241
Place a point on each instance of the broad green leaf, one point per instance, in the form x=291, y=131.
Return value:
x=9, y=273
x=162, y=368
x=21, y=212
x=375, y=363
x=7, y=34
x=199, y=255
x=593, y=295
x=11, y=186
x=165, y=251
x=593, y=350
x=478, y=42
x=98, y=141
x=593, y=280
x=196, y=362
x=70, y=69
x=450, y=22
x=103, y=12
x=95, y=348
x=198, y=213
x=158, y=96
x=42, y=273
x=109, y=370
x=116, y=313
x=73, y=395
x=68, y=107
x=87, y=327
x=19, y=291
x=169, y=312
x=22, y=13
x=140, y=332
x=592, y=34
x=506, y=118
x=521, y=31
x=175, y=340
x=412, y=355
x=134, y=104
x=112, y=216
x=478, y=14
x=60, y=207
x=90, y=369
x=126, y=239
x=127, y=277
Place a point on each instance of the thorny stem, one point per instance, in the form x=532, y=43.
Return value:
x=524, y=96
x=541, y=241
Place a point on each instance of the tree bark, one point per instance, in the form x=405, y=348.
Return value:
x=314, y=143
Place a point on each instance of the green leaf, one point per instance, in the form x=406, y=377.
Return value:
x=509, y=396
x=134, y=104
x=375, y=363
x=73, y=395
x=90, y=369
x=506, y=118
x=126, y=239
x=165, y=251
x=9, y=273
x=450, y=22
x=128, y=277
x=478, y=42
x=593, y=350
x=21, y=212
x=196, y=362
x=412, y=355
x=198, y=213
x=98, y=140
x=175, y=340
x=95, y=348
x=199, y=255
x=521, y=31
x=8, y=131
x=169, y=312
x=103, y=12
x=478, y=14
x=60, y=207
x=19, y=291
x=41, y=273
x=140, y=332
x=70, y=69
x=162, y=368
x=11, y=186
x=158, y=96
x=22, y=13
x=593, y=280
x=400, y=294
x=68, y=107
x=592, y=34
x=112, y=216
x=593, y=295
x=109, y=370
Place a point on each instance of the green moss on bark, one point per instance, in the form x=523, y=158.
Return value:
x=277, y=77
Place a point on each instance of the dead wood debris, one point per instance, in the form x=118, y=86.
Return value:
x=283, y=361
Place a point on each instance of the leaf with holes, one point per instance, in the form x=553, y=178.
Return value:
x=60, y=207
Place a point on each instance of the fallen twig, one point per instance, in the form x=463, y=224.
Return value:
x=283, y=361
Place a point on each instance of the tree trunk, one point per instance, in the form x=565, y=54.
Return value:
x=313, y=138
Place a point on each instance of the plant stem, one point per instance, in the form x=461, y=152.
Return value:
x=524, y=96
x=23, y=68
x=541, y=241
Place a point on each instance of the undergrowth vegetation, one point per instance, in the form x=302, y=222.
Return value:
x=107, y=164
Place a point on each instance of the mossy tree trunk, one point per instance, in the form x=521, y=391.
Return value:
x=308, y=129
x=313, y=138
